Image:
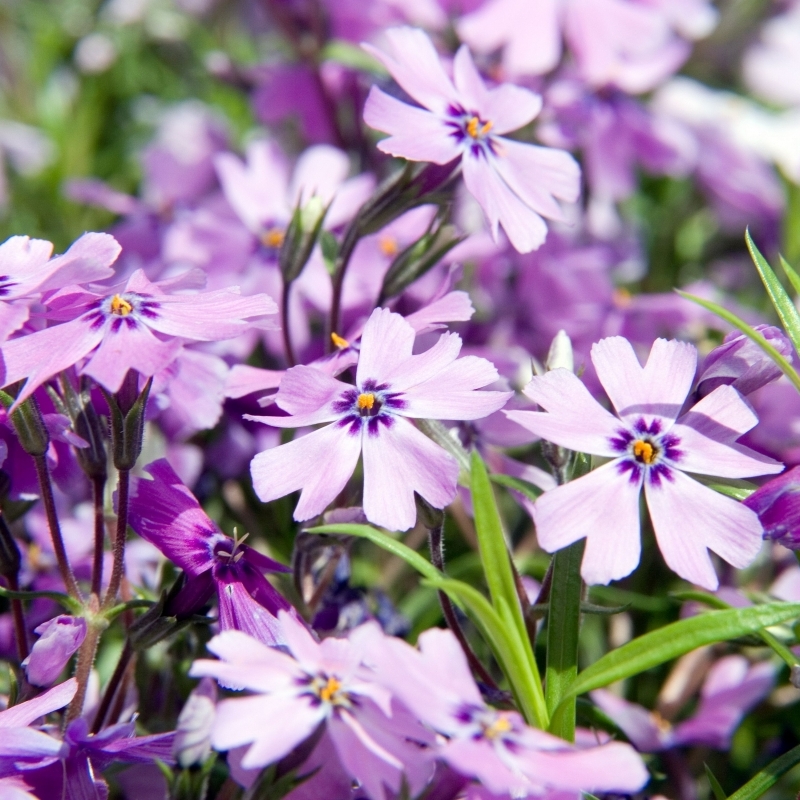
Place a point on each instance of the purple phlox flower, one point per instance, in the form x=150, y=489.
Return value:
x=140, y=327
x=777, y=504
x=732, y=687
x=27, y=270
x=353, y=21
x=59, y=638
x=740, y=362
x=373, y=418
x=312, y=684
x=192, y=744
x=243, y=379
x=15, y=788
x=787, y=585
x=650, y=446
x=778, y=433
x=495, y=747
x=770, y=63
x=164, y=512
x=515, y=183
x=631, y=44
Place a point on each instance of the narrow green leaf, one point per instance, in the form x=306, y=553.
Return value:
x=675, y=639
x=530, y=491
x=777, y=294
x=737, y=489
x=719, y=792
x=768, y=776
x=411, y=557
x=508, y=648
x=72, y=605
x=750, y=333
x=791, y=274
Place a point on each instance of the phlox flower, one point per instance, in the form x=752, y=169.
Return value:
x=373, y=419
x=313, y=683
x=140, y=326
x=164, y=512
x=495, y=747
x=731, y=688
x=516, y=184
x=651, y=446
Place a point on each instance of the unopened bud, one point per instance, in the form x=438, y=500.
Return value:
x=87, y=424
x=301, y=237
x=127, y=428
x=560, y=355
x=153, y=626
x=28, y=425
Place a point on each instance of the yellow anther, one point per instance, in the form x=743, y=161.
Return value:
x=329, y=691
x=472, y=127
x=665, y=726
x=487, y=126
x=644, y=451
x=366, y=401
x=339, y=341
x=120, y=306
x=622, y=298
x=388, y=246
x=499, y=726
x=273, y=238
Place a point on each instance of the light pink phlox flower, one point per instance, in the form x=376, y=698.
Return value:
x=495, y=747
x=515, y=183
x=650, y=447
x=140, y=326
x=294, y=692
x=373, y=419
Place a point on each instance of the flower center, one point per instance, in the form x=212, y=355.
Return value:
x=497, y=728
x=234, y=555
x=388, y=246
x=477, y=129
x=644, y=452
x=329, y=690
x=365, y=402
x=273, y=238
x=120, y=306
x=339, y=341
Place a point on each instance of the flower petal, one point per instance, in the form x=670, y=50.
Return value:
x=23, y=714
x=658, y=390
x=689, y=517
x=602, y=507
x=399, y=460
x=574, y=420
x=386, y=343
x=416, y=134
x=319, y=464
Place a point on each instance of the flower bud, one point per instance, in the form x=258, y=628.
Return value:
x=301, y=237
x=127, y=428
x=741, y=363
x=87, y=424
x=777, y=504
x=192, y=743
x=59, y=639
x=28, y=425
x=560, y=354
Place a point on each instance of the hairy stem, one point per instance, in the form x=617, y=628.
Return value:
x=287, y=334
x=436, y=543
x=83, y=667
x=113, y=684
x=98, y=491
x=118, y=568
x=46, y=488
x=18, y=613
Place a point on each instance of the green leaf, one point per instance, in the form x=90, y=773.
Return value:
x=508, y=648
x=791, y=274
x=72, y=605
x=750, y=333
x=768, y=776
x=675, y=639
x=351, y=55
x=737, y=489
x=530, y=491
x=411, y=557
x=719, y=792
x=777, y=294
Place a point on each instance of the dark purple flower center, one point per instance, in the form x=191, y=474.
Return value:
x=6, y=284
x=645, y=450
x=126, y=308
x=471, y=129
x=373, y=405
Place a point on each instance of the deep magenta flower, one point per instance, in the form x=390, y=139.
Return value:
x=373, y=418
x=311, y=684
x=59, y=639
x=164, y=512
x=515, y=183
x=141, y=326
x=777, y=504
x=650, y=447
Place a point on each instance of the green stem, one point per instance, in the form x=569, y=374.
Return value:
x=563, y=624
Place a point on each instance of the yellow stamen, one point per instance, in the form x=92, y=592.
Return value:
x=472, y=127
x=622, y=297
x=487, y=126
x=366, y=401
x=120, y=306
x=662, y=724
x=272, y=238
x=499, y=726
x=388, y=246
x=329, y=691
x=339, y=341
x=644, y=451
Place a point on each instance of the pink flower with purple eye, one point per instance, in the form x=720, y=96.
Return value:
x=142, y=327
x=373, y=419
x=651, y=447
x=515, y=183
